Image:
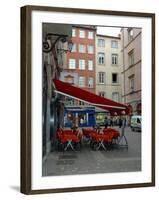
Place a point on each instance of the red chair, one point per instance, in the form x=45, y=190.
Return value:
x=67, y=138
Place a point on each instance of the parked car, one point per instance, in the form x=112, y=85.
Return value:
x=136, y=123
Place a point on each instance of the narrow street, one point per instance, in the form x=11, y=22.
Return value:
x=88, y=161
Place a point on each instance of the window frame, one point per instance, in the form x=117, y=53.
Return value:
x=82, y=64
x=100, y=57
x=114, y=42
x=115, y=82
x=82, y=35
x=74, y=63
x=101, y=78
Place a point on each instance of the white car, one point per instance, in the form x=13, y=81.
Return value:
x=136, y=123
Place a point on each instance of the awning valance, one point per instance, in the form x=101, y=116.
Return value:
x=90, y=98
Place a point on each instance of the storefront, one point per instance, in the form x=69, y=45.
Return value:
x=79, y=117
x=100, y=117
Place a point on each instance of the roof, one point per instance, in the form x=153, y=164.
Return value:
x=108, y=36
x=85, y=27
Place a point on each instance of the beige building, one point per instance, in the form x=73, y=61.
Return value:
x=108, y=67
x=131, y=74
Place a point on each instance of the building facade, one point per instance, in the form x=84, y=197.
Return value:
x=80, y=68
x=80, y=72
x=55, y=40
x=108, y=67
x=131, y=74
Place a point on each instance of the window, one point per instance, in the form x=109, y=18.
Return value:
x=90, y=64
x=132, y=82
x=73, y=48
x=73, y=32
x=81, y=103
x=130, y=34
x=90, y=35
x=90, y=49
x=101, y=43
x=101, y=58
x=69, y=101
x=82, y=81
x=81, y=33
x=90, y=82
x=131, y=57
x=82, y=64
x=72, y=63
x=101, y=77
x=114, y=78
x=114, y=44
x=114, y=59
x=102, y=94
x=82, y=48
x=115, y=96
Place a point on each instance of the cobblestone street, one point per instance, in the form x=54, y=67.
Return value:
x=88, y=161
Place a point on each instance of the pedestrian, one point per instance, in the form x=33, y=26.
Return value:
x=106, y=122
x=111, y=122
x=120, y=122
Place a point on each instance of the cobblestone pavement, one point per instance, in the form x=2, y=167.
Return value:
x=88, y=161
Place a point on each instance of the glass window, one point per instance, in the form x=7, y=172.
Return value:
x=81, y=33
x=82, y=81
x=131, y=57
x=81, y=103
x=90, y=49
x=130, y=34
x=101, y=43
x=114, y=59
x=115, y=96
x=90, y=35
x=114, y=78
x=132, y=82
x=102, y=94
x=90, y=64
x=82, y=64
x=101, y=77
x=90, y=82
x=114, y=44
x=73, y=48
x=69, y=101
x=82, y=48
x=101, y=58
x=73, y=32
x=72, y=63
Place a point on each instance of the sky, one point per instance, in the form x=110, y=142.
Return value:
x=111, y=31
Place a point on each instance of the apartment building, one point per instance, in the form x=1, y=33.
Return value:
x=108, y=67
x=131, y=74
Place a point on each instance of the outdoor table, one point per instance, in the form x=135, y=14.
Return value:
x=115, y=134
x=88, y=134
x=101, y=139
x=68, y=137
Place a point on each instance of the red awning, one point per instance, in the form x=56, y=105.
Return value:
x=90, y=98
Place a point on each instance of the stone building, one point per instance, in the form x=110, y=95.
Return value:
x=56, y=38
x=131, y=74
x=108, y=67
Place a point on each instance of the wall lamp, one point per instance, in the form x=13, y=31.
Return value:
x=48, y=45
